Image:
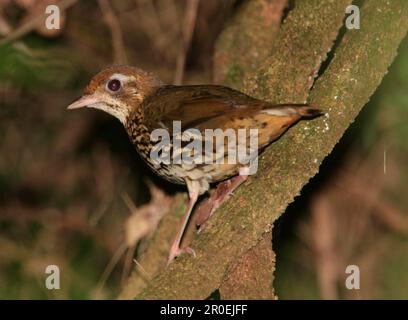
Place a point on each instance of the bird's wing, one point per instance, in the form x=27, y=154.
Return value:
x=217, y=107
x=200, y=107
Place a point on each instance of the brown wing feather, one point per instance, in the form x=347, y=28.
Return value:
x=217, y=107
x=212, y=106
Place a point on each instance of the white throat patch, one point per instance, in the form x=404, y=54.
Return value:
x=120, y=113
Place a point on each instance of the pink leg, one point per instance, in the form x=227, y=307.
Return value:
x=175, y=250
x=222, y=193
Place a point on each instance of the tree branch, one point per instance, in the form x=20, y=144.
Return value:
x=360, y=62
x=251, y=276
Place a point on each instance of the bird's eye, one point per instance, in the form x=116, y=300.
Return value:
x=114, y=85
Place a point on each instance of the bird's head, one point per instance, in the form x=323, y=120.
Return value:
x=118, y=91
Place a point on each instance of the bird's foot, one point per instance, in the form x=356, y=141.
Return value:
x=175, y=251
x=223, y=192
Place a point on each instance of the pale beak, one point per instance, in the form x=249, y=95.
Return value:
x=84, y=101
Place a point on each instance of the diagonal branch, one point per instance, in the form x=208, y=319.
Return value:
x=361, y=60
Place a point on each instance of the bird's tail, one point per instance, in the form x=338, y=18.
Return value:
x=291, y=109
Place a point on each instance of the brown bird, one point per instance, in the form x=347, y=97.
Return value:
x=144, y=104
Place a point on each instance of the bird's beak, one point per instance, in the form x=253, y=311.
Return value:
x=84, y=101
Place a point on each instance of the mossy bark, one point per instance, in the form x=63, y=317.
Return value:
x=360, y=61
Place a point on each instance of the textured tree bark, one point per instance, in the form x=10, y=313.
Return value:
x=247, y=41
x=360, y=60
x=252, y=275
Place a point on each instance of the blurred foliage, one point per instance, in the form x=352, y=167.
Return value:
x=32, y=68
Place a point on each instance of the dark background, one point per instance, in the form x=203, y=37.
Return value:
x=64, y=175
